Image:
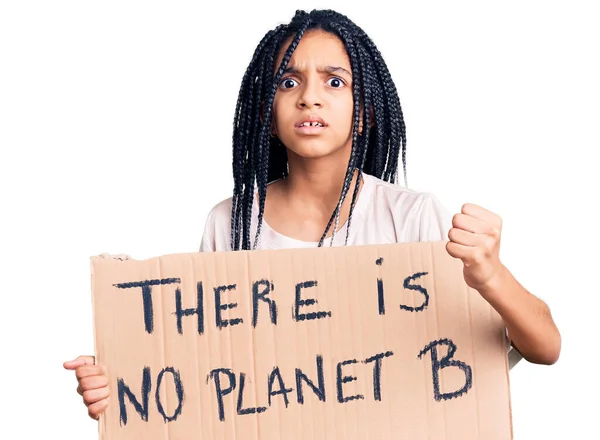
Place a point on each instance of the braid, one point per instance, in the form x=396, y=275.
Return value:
x=356, y=92
x=259, y=158
x=263, y=142
x=245, y=135
x=393, y=113
x=364, y=144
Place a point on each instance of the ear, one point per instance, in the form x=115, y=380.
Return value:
x=371, y=120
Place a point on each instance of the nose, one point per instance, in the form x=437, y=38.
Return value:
x=310, y=96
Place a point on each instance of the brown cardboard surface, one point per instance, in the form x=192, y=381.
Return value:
x=370, y=342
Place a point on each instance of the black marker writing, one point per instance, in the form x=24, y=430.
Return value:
x=341, y=379
x=407, y=285
x=421, y=289
x=220, y=307
x=320, y=390
x=306, y=302
x=199, y=310
x=220, y=391
x=275, y=374
x=445, y=362
x=240, y=402
x=147, y=296
x=178, y=390
x=377, y=372
x=123, y=390
x=261, y=295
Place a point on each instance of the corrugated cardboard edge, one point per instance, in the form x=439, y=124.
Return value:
x=93, y=259
x=507, y=343
x=101, y=420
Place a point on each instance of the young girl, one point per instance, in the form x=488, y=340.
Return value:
x=318, y=132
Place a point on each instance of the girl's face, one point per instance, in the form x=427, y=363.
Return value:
x=313, y=106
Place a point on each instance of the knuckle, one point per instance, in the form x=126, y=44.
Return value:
x=84, y=383
x=478, y=256
x=103, y=381
x=96, y=409
x=84, y=371
x=493, y=232
x=88, y=397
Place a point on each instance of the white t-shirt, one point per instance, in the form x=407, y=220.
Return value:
x=384, y=213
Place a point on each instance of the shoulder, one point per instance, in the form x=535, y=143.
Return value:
x=419, y=214
x=217, y=228
x=395, y=195
x=394, y=192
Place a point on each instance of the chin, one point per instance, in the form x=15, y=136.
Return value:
x=313, y=149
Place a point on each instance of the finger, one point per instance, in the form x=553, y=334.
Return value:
x=92, y=396
x=79, y=361
x=95, y=410
x=89, y=370
x=460, y=236
x=469, y=223
x=458, y=250
x=481, y=213
x=93, y=382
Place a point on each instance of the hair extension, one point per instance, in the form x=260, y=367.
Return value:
x=259, y=158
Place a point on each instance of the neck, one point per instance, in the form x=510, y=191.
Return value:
x=315, y=185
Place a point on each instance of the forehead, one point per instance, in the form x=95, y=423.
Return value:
x=317, y=48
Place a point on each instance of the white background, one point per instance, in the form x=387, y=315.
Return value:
x=115, y=136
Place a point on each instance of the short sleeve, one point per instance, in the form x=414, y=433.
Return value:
x=207, y=243
x=217, y=229
x=436, y=220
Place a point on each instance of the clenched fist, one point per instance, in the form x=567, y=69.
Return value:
x=475, y=239
x=92, y=384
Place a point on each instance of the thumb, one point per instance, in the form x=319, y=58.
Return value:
x=78, y=362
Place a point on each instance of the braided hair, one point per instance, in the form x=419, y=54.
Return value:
x=260, y=158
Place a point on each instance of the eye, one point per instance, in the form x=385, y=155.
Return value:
x=287, y=83
x=336, y=82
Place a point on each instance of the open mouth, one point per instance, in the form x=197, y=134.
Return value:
x=310, y=128
x=310, y=124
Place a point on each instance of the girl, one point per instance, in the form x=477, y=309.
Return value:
x=318, y=132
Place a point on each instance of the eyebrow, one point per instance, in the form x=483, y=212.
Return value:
x=326, y=69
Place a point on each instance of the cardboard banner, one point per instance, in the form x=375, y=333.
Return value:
x=379, y=342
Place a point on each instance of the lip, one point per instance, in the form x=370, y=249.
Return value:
x=310, y=130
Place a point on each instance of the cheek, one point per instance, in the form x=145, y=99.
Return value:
x=278, y=115
x=344, y=113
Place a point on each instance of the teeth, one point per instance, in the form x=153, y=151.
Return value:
x=312, y=124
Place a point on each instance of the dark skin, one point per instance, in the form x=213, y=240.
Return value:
x=319, y=84
x=300, y=206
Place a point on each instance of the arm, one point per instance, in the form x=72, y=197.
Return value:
x=527, y=318
x=475, y=239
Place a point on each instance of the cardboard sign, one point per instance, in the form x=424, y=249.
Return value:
x=379, y=342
